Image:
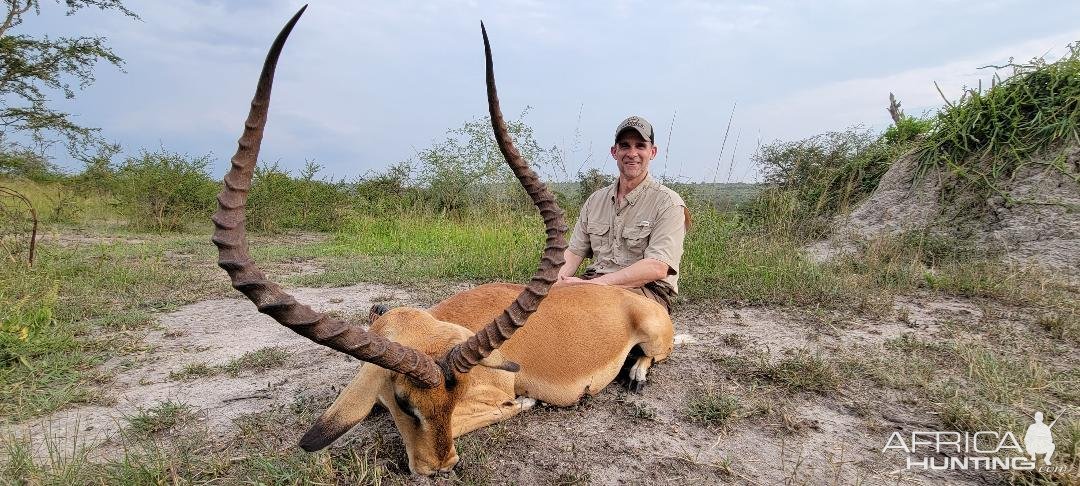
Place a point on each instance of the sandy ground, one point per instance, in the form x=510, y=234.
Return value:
x=833, y=438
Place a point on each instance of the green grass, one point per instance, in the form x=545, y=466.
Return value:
x=193, y=371
x=71, y=310
x=503, y=247
x=986, y=136
x=161, y=446
x=710, y=406
x=798, y=370
x=804, y=371
x=56, y=202
x=258, y=360
x=971, y=385
x=159, y=418
x=83, y=302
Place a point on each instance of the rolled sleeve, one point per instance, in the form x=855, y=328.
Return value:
x=666, y=241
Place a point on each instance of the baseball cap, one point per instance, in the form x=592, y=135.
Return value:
x=639, y=125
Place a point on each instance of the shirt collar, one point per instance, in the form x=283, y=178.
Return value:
x=636, y=193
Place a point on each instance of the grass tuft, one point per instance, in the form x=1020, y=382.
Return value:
x=258, y=360
x=159, y=418
x=710, y=406
x=253, y=361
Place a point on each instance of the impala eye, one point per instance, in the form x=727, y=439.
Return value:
x=407, y=407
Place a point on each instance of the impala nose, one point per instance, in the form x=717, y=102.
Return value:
x=449, y=464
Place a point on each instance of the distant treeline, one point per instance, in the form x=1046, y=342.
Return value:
x=976, y=141
x=164, y=191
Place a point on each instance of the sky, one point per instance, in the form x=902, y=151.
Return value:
x=364, y=85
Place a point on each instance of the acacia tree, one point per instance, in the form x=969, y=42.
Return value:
x=33, y=68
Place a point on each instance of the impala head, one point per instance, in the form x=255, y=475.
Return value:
x=422, y=414
x=417, y=367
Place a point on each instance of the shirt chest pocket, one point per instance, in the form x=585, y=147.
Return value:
x=599, y=238
x=636, y=239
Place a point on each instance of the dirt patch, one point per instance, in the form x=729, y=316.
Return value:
x=794, y=437
x=215, y=333
x=1040, y=227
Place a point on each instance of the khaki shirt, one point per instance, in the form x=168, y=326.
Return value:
x=650, y=224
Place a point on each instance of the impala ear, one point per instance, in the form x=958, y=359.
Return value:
x=351, y=406
x=497, y=361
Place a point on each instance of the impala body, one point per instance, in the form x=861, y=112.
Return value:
x=441, y=372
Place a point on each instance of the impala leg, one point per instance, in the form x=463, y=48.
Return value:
x=638, y=373
x=475, y=414
x=659, y=340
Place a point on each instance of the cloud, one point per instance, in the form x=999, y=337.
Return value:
x=839, y=104
x=723, y=18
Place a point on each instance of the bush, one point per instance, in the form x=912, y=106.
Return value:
x=812, y=179
x=908, y=129
x=467, y=174
x=591, y=181
x=387, y=192
x=278, y=201
x=28, y=165
x=99, y=174
x=164, y=191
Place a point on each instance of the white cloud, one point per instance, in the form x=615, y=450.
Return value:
x=838, y=104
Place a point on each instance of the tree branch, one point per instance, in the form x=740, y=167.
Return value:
x=14, y=15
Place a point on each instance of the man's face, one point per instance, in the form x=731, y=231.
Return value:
x=632, y=154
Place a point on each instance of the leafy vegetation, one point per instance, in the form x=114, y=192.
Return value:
x=985, y=137
x=164, y=191
x=810, y=180
x=32, y=67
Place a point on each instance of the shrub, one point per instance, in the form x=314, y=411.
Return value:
x=467, y=174
x=385, y=192
x=28, y=165
x=908, y=129
x=590, y=181
x=278, y=201
x=163, y=191
x=814, y=178
x=99, y=173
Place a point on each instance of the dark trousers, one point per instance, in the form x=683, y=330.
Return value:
x=657, y=290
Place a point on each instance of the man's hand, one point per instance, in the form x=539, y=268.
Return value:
x=571, y=280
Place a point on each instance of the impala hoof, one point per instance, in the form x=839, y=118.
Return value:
x=526, y=402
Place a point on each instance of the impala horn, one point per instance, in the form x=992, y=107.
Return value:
x=233, y=257
x=464, y=356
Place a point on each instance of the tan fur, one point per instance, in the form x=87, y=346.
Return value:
x=577, y=340
x=574, y=344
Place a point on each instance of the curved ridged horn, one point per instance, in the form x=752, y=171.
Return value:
x=230, y=238
x=464, y=356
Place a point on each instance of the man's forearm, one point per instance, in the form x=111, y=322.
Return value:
x=636, y=275
x=573, y=261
